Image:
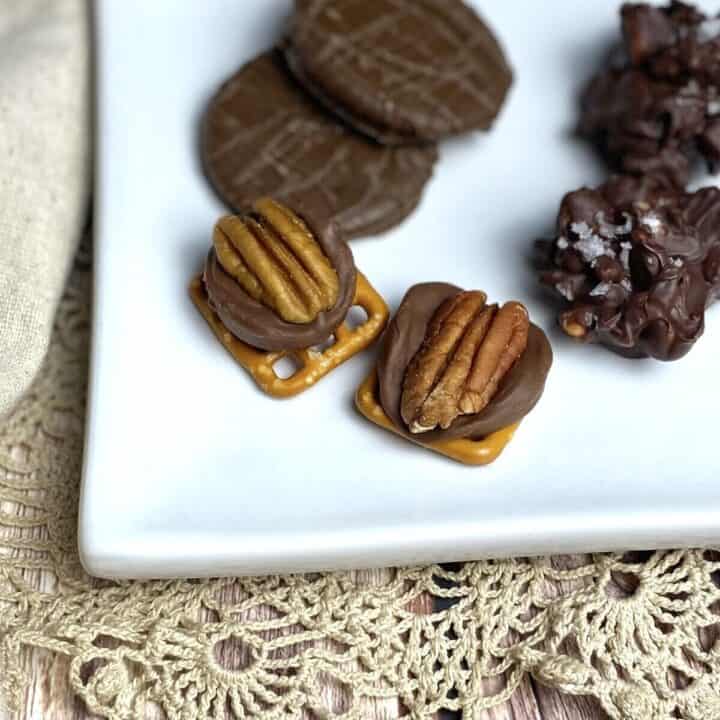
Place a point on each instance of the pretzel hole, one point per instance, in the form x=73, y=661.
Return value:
x=286, y=367
x=356, y=317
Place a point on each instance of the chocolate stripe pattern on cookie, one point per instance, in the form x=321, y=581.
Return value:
x=264, y=136
x=400, y=70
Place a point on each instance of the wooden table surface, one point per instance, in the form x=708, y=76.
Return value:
x=48, y=696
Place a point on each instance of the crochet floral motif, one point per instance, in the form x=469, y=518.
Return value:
x=638, y=631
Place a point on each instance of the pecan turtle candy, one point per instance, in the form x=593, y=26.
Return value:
x=457, y=374
x=638, y=261
x=657, y=104
x=277, y=283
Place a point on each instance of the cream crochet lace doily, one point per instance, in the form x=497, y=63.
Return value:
x=639, y=632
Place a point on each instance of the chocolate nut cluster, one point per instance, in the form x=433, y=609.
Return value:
x=638, y=261
x=657, y=105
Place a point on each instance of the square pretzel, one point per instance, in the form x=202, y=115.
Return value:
x=312, y=364
x=468, y=452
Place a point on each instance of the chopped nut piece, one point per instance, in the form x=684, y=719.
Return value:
x=574, y=329
x=646, y=295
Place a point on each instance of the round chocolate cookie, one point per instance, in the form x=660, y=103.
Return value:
x=263, y=136
x=516, y=396
x=400, y=70
x=258, y=325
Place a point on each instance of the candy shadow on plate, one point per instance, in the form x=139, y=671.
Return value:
x=192, y=252
x=191, y=260
x=596, y=54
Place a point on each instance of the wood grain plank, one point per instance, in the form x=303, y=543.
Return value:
x=557, y=706
x=390, y=708
x=521, y=706
x=48, y=693
x=49, y=696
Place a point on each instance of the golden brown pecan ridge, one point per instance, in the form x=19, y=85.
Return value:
x=276, y=259
x=468, y=349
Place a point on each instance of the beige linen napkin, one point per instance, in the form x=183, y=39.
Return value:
x=45, y=146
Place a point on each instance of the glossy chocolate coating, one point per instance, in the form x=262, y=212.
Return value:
x=657, y=105
x=637, y=260
x=517, y=395
x=258, y=325
x=263, y=136
x=400, y=70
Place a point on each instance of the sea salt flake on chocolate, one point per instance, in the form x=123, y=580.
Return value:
x=610, y=230
x=581, y=229
x=652, y=222
x=625, y=248
x=708, y=30
x=626, y=284
x=592, y=247
x=686, y=99
x=565, y=288
x=627, y=226
x=602, y=288
x=562, y=243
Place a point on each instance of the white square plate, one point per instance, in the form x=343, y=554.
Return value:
x=191, y=471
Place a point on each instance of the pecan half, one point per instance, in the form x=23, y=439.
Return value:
x=275, y=258
x=468, y=349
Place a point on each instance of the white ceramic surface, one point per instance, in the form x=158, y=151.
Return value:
x=191, y=471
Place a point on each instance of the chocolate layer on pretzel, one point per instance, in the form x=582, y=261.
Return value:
x=261, y=326
x=518, y=393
